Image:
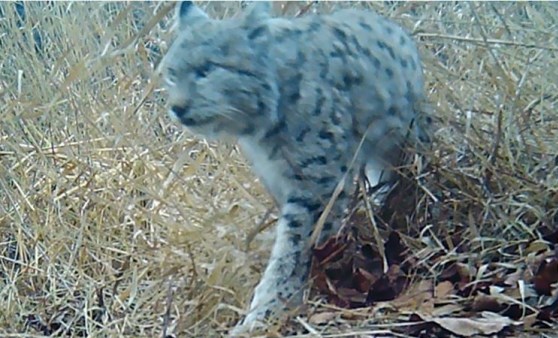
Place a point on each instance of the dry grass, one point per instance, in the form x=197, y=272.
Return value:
x=116, y=222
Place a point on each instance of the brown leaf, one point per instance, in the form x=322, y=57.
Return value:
x=484, y=302
x=552, y=237
x=388, y=286
x=513, y=278
x=443, y=289
x=394, y=248
x=363, y=280
x=330, y=250
x=517, y=311
x=530, y=320
x=546, y=275
x=323, y=318
x=490, y=323
x=415, y=297
x=352, y=296
x=445, y=310
x=457, y=273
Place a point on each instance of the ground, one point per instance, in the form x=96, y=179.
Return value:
x=114, y=221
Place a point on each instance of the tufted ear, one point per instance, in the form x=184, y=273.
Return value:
x=187, y=13
x=258, y=11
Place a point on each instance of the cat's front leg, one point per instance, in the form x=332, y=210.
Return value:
x=285, y=277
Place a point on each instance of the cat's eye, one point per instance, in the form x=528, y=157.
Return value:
x=171, y=77
x=203, y=70
x=428, y=120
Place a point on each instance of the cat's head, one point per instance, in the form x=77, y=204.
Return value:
x=218, y=77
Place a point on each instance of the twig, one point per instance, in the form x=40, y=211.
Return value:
x=485, y=41
x=166, y=317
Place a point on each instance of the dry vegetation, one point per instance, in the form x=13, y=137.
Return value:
x=114, y=221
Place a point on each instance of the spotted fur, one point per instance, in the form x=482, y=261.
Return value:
x=298, y=95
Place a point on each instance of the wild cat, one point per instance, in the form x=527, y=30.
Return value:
x=311, y=102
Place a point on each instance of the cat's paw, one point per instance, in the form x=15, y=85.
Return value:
x=253, y=324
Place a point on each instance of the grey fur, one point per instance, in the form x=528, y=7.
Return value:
x=298, y=95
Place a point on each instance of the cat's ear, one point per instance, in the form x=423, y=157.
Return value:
x=187, y=13
x=258, y=11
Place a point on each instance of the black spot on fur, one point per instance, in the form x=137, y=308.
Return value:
x=324, y=68
x=295, y=239
x=296, y=254
x=402, y=40
x=300, y=59
x=327, y=227
x=309, y=204
x=294, y=97
x=274, y=152
x=289, y=34
x=188, y=121
x=391, y=52
x=297, y=177
x=292, y=222
x=342, y=52
x=319, y=102
x=261, y=105
x=404, y=63
x=294, y=85
x=290, y=93
x=249, y=129
x=326, y=180
x=339, y=34
x=351, y=80
x=359, y=47
x=409, y=95
x=366, y=26
x=383, y=45
x=246, y=73
x=303, y=132
x=295, y=32
x=338, y=54
x=276, y=129
x=326, y=135
x=376, y=62
x=389, y=72
x=257, y=32
x=317, y=160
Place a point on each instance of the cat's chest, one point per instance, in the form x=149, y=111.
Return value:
x=270, y=171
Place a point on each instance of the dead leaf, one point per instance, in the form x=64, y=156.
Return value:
x=458, y=273
x=443, y=289
x=546, y=275
x=445, y=310
x=415, y=298
x=323, y=318
x=484, y=302
x=490, y=323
